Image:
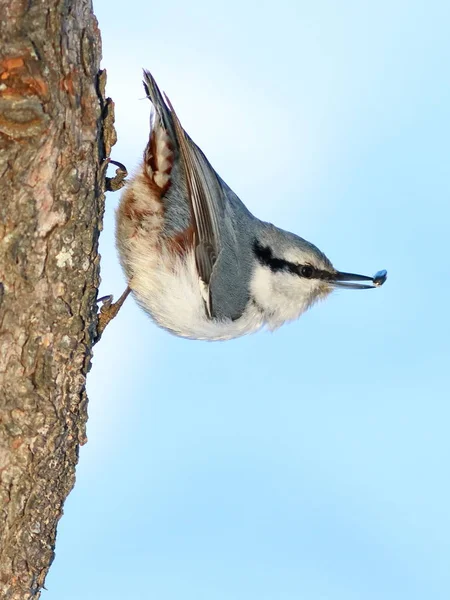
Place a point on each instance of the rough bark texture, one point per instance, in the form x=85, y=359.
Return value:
x=52, y=147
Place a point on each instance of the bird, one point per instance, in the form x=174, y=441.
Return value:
x=196, y=259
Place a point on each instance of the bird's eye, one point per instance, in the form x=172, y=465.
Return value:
x=306, y=271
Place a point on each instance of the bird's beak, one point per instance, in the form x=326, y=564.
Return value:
x=347, y=280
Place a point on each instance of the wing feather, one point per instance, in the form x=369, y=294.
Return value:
x=206, y=195
x=206, y=198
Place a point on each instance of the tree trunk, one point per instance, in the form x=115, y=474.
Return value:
x=52, y=146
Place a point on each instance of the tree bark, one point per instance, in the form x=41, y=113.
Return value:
x=52, y=148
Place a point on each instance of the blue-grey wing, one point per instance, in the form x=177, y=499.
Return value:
x=212, y=217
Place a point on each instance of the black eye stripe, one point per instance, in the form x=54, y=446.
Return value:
x=265, y=257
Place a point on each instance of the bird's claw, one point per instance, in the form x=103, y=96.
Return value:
x=112, y=184
x=106, y=301
x=109, y=310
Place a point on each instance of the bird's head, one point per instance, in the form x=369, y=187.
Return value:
x=292, y=274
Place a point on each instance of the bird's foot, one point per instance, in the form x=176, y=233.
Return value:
x=109, y=310
x=112, y=184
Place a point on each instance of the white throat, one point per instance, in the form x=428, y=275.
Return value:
x=280, y=296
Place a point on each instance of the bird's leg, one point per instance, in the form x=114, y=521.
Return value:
x=109, y=310
x=112, y=184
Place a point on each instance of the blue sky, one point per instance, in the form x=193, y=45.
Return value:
x=311, y=463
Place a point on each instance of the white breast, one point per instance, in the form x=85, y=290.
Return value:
x=168, y=288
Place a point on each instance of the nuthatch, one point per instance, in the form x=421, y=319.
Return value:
x=197, y=261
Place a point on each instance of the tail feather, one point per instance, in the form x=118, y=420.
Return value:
x=156, y=98
x=159, y=153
